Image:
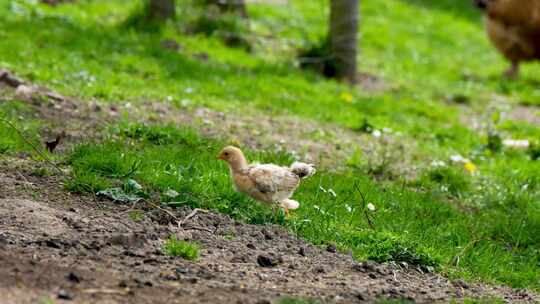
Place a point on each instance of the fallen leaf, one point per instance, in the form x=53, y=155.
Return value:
x=118, y=195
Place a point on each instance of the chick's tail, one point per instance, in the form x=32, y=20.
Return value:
x=289, y=204
x=303, y=170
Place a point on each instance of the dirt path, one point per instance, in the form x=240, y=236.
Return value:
x=54, y=245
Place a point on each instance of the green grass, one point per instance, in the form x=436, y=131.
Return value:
x=296, y=301
x=485, y=300
x=178, y=248
x=15, y=116
x=482, y=226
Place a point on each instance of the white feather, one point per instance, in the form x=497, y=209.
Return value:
x=290, y=204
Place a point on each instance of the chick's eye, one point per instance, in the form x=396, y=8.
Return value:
x=226, y=153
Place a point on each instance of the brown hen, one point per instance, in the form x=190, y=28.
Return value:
x=513, y=26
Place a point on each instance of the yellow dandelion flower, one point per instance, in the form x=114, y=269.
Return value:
x=347, y=97
x=470, y=167
x=235, y=142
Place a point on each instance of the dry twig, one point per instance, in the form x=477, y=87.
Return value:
x=192, y=214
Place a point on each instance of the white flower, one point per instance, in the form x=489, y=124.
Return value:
x=516, y=143
x=377, y=133
x=371, y=207
x=349, y=208
x=185, y=102
x=332, y=192
x=459, y=159
x=171, y=193
x=438, y=163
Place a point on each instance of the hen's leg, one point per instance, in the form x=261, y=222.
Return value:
x=512, y=71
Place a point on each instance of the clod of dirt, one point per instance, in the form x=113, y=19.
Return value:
x=461, y=283
x=369, y=267
x=268, y=261
x=7, y=78
x=127, y=240
x=267, y=234
x=72, y=277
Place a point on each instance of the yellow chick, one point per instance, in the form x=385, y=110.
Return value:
x=267, y=183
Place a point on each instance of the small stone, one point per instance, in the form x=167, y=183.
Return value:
x=25, y=92
x=361, y=296
x=331, y=248
x=52, y=243
x=191, y=280
x=151, y=261
x=461, y=284
x=366, y=266
x=64, y=295
x=251, y=246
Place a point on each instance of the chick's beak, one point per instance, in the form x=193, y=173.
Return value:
x=219, y=156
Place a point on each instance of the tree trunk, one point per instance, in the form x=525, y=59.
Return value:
x=343, y=35
x=233, y=6
x=161, y=9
